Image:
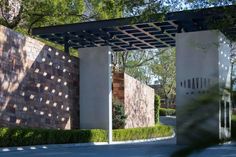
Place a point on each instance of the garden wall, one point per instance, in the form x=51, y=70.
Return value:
x=39, y=86
x=138, y=99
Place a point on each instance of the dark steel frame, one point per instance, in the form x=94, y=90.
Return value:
x=136, y=33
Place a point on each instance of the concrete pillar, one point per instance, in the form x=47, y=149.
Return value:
x=202, y=76
x=95, y=89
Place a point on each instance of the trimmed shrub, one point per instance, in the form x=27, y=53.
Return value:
x=233, y=129
x=25, y=136
x=142, y=133
x=10, y=137
x=157, y=108
x=118, y=114
x=167, y=112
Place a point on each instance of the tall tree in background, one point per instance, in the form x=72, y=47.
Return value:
x=25, y=14
x=136, y=63
x=100, y=9
x=164, y=68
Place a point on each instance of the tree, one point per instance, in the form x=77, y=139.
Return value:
x=101, y=9
x=136, y=63
x=40, y=13
x=164, y=68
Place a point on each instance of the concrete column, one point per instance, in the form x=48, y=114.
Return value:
x=202, y=73
x=95, y=89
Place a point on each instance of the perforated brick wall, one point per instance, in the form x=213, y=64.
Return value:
x=39, y=86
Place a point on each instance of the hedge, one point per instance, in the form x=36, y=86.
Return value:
x=233, y=131
x=157, y=105
x=167, y=111
x=142, y=133
x=24, y=137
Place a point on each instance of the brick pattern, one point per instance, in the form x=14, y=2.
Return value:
x=118, y=86
x=138, y=100
x=39, y=86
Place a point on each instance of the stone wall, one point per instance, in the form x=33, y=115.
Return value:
x=39, y=86
x=138, y=100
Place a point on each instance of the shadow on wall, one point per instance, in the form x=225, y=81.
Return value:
x=139, y=103
x=39, y=86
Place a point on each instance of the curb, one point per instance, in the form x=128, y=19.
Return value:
x=51, y=146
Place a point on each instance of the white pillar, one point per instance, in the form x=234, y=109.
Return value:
x=202, y=61
x=95, y=89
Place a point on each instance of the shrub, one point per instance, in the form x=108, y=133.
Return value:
x=118, y=114
x=157, y=108
x=233, y=131
x=142, y=133
x=167, y=111
x=25, y=136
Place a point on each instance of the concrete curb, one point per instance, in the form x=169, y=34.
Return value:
x=174, y=117
x=52, y=146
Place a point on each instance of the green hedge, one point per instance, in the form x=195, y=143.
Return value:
x=167, y=111
x=142, y=133
x=24, y=137
x=157, y=109
x=233, y=131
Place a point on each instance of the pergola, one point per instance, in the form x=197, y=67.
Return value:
x=136, y=33
x=201, y=38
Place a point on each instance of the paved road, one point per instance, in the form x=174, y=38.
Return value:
x=134, y=150
x=168, y=120
x=137, y=150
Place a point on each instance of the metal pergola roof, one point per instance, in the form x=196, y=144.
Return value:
x=134, y=34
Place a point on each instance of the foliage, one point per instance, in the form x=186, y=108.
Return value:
x=43, y=13
x=164, y=68
x=106, y=9
x=25, y=136
x=136, y=63
x=73, y=52
x=201, y=135
x=196, y=4
x=142, y=133
x=157, y=108
x=233, y=126
x=118, y=114
x=167, y=112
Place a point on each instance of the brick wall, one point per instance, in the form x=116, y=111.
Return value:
x=118, y=86
x=39, y=86
x=138, y=100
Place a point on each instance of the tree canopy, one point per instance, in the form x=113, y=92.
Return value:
x=26, y=14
